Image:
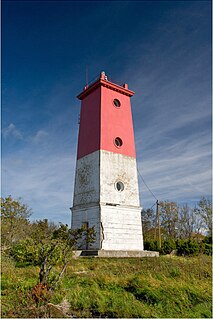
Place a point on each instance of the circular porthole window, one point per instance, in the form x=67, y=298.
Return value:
x=119, y=186
x=116, y=103
x=118, y=142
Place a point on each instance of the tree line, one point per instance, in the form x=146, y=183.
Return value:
x=45, y=244
x=172, y=226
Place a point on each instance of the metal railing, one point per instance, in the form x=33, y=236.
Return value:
x=109, y=78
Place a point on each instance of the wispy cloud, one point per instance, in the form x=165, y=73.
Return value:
x=12, y=131
x=44, y=182
x=180, y=171
x=39, y=136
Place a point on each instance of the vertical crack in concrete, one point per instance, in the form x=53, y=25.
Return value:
x=102, y=234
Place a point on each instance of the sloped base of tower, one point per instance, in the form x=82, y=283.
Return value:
x=116, y=253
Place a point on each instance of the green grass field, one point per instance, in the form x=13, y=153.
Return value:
x=164, y=287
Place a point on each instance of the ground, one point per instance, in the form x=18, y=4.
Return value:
x=164, y=287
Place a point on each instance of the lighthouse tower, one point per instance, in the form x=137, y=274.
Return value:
x=106, y=185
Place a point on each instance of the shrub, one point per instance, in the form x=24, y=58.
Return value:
x=25, y=252
x=152, y=245
x=206, y=246
x=207, y=240
x=207, y=249
x=187, y=247
x=168, y=246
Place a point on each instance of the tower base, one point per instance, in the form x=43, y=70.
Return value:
x=118, y=228
x=116, y=253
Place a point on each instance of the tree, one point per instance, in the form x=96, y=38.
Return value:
x=204, y=212
x=169, y=218
x=49, y=246
x=148, y=217
x=14, y=220
x=187, y=222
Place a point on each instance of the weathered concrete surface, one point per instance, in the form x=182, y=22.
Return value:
x=117, y=227
x=96, y=176
x=117, y=167
x=121, y=228
x=115, y=215
x=87, y=180
x=116, y=253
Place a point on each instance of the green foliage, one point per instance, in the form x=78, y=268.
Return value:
x=25, y=252
x=207, y=249
x=187, y=247
x=152, y=245
x=206, y=246
x=207, y=240
x=165, y=287
x=168, y=246
x=149, y=287
x=184, y=247
x=14, y=221
x=175, y=272
x=40, y=244
x=49, y=246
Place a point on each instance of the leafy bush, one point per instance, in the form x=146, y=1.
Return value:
x=206, y=246
x=208, y=240
x=207, y=249
x=152, y=245
x=25, y=252
x=168, y=246
x=187, y=247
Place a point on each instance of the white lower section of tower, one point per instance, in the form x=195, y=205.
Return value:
x=116, y=215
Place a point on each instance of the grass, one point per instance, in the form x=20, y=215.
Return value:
x=164, y=287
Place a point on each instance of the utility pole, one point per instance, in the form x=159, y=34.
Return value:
x=158, y=217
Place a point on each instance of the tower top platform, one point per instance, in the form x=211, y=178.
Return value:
x=103, y=81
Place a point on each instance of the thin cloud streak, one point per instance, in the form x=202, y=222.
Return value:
x=12, y=131
x=39, y=136
x=180, y=172
x=45, y=183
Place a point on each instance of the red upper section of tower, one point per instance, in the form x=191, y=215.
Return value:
x=106, y=119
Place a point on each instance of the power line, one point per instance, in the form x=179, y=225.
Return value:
x=146, y=185
x=153, y=206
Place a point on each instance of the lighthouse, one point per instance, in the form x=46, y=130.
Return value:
x=106, y=193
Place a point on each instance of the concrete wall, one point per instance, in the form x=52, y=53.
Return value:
x=115, y=215
x=117, y=228
x=87, y=180
x=117, y=167
x=97, y=174
x=122, y=228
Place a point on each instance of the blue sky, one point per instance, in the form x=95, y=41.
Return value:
x=162, y=49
